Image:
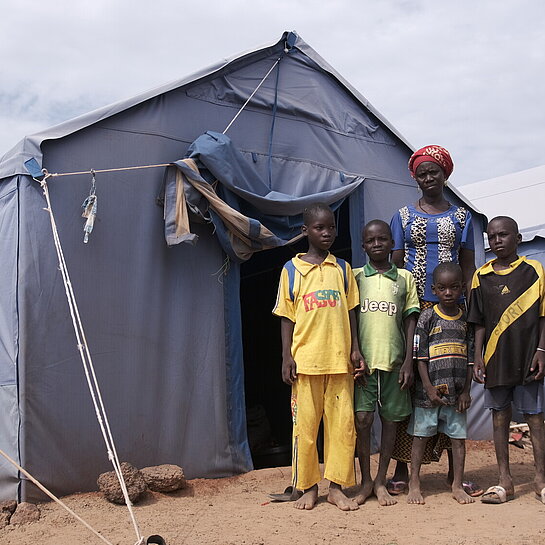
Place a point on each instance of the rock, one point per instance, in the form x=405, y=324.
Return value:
x=25, y=513
x=7, y=508
x=110, y=487
x=4, y=520
x=164, y=478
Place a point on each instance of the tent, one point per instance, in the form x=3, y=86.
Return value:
x=181, y=335
x=519, y=195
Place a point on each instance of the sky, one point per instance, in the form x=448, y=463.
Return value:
x=465, y=74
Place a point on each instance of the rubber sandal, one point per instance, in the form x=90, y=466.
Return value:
x=472, y=489
x=290, y=494
x=541, y=496
x=155, y=540
x=496, y=495
x=396, y=487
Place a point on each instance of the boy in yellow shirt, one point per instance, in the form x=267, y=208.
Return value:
x=316, y=299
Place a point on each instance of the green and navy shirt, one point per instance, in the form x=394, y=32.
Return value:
x=386, y=299
x=509, y=304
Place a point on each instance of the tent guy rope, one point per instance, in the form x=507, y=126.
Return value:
x=94, y=171
x=252, y=95
x=53, y=497
x=87, y=362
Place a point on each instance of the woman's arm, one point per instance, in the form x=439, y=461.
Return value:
x=467, y=264
x=398, y=258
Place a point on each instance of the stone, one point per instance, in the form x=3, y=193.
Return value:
x=164, y=478
x=110, y=487
x=7, y=508
x=26, y=512
x=4, y=519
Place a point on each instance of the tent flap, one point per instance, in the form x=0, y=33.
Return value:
x=256, y=217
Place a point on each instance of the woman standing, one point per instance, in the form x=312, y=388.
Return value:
x=427, y=233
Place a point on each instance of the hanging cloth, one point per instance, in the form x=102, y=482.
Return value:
x=90, y=209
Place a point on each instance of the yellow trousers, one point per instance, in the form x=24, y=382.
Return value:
x=330, y=397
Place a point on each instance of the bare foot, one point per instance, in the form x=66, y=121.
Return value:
x=337, y=497
x=415, y=496
x=539, y=485
x=364, y=491
x=459, y=494
x=308, y=499
x=383, y=496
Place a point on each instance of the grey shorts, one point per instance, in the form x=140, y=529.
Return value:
x=527, y=399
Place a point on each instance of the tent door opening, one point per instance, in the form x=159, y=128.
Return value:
x=268, y=411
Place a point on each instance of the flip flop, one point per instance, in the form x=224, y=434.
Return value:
x=496, y=495
x=290, y=494
x=396, y=487
x=472, y=489
x=155, y=540
x=541, y=496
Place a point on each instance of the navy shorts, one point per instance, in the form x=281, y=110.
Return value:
x=527, y=399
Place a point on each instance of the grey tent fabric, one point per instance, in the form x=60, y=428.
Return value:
x=164, y=323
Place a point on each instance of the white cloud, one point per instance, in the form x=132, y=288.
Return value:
x=466, y=74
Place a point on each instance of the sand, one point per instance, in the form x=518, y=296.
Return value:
x=236, y=510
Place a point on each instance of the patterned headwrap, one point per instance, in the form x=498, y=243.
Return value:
x=434, y=154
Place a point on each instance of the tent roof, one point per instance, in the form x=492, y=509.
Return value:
x=12, y=162
x=519, y=195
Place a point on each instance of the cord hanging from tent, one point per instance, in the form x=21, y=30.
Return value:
x=252, y=95
x=53, y=497
x=87, y=361
x=90, y=209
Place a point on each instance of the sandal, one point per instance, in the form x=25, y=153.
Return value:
x=496, y=494
x=290, y=494
x=396, y=487
x=472, y=489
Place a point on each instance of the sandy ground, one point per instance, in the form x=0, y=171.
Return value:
x=236, y=510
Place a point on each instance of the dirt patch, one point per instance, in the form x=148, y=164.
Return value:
x=237, y=511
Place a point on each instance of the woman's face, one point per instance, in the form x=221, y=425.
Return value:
x=430, y=177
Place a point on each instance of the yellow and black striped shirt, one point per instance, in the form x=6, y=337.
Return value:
x=509, y=304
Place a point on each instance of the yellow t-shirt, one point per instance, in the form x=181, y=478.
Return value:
x=321, y=336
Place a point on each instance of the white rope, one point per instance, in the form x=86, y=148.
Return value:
x=252, y=95
x=53, y=497
x=87, y=362
x=58, y=175
x=91, y=171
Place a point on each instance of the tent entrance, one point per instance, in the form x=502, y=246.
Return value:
x=267, y=397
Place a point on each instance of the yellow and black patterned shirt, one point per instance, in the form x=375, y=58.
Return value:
x=509, y=304
x=445, y=344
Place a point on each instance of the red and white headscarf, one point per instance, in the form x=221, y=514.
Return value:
x=433, y=154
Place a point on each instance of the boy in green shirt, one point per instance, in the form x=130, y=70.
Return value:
x=386, y=322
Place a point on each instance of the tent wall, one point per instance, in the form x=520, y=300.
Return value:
x=154, y=319
x=9, y=413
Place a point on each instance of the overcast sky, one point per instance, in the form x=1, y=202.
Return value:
x=466, y=74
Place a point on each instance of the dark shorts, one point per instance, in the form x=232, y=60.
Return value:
x=527, y=399
x=382, y=389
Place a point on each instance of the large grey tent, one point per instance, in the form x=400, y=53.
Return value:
x=167, y=325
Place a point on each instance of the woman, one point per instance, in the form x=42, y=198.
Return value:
x=425, y=234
